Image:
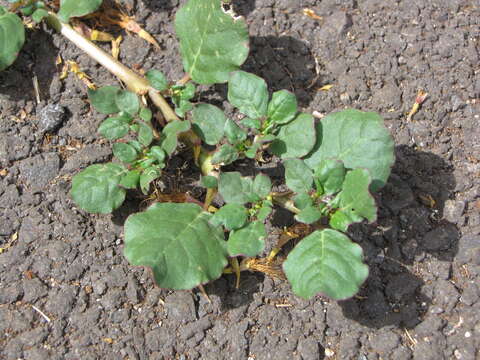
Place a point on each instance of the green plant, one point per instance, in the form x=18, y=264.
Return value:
x=331, y=166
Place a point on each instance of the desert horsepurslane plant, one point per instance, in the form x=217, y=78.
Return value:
x=331, y=166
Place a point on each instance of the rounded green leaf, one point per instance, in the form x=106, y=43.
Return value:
x=145, y=114
x=125, y=152
x=298, y=175
x=309, y=215
x=262, y=185
x=148, y=175
x=103, y=99
x=355, y=201
x=359, y=139
x=39, y=15
x=12, y=37
x=208, y=123
x=330, y=174
x=302, y=200
x=234, y=133
x=210, y=182
x=158, y=153
x=225, y=155
x=77, y=8
x=177, y=241
x=248, y=93
x=232, y=216
x=127, y=101
x=296, y=138
x=247, y=241
x=145, y=133
x=130, y=180
x=234, y=188
x=264, y=212
x=283, y=107
x=115, y=127
x=212, y=42
x=326, y=262
x=96, y=189
x=157, y=79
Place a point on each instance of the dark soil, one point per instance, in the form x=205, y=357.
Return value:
x=421, y=300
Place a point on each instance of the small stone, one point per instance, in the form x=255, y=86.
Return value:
x=441, y=238
x=329, y=352
x=453, y=210
x=50, y=117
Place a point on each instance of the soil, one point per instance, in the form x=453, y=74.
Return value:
x=422, y=298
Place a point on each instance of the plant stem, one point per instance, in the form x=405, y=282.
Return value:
x=285, y=200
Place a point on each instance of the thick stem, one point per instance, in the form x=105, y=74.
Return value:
x=285, y=200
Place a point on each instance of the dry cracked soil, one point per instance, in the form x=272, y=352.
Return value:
x=421, y=300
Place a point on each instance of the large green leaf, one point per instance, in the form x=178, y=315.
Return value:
x=296, y=138
x=247, y=241
x=96, y=189
x=326, y=262
x=357, y=138
x=177, y=241
x=249, y=94
x=212, y=42
x=298, y=176
x=76, y=8
x=12, y=37
x=208, y=123
x=283, y=107
x=355, y=201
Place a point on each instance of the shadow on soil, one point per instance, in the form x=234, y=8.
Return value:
x=410, y=229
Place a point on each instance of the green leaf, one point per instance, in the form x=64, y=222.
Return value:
x=283, y=107
x=130, y=180
x=212, y=43
x=264, y=212
x=127, y=101
x=136, y=145
x=176, y=240
x=115, y=127
x=96, y=189
x=208, y=123
x=125, y=152
x=234, y=133
x=158, y=153
x=188, y=91
x=234, y=188
x=248, y=241
x=302, y=200
x=39, y=15
x=248, y=93
x=103, y=99
x=176, y=127
x=251, y=153
x=157, y=79
x=145, y=133
x=326, y=262
x=145, y=114
x=298, y=176
x=251, y=123
x=296, y=138
x=169, y=144
x=355, y=201
x=147, y=176
x=262, y=185
x=357, y=138
x=309, y=215
x=227, y=154
x=232, y=216
x=12, y=37
x=210, y=182
x=77, y=8
x=330, y=174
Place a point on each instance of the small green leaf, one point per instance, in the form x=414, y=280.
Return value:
x=326, y=262
x=115, y=127
x=176, y=240
x=157, y=79
x=158, y=153
x=359, y=139
x=169, y=144
x=302, y=200
x=248, y=241
x=283, y=107
x=77, y=8
x=188, y=91
x=248, y=93
x=234, y=188
x=296, y=138
x=251, y=153
x=232, y=216
x=130, y=180
x=212, y=42
x=147, y=176
x=234, y=133
x=12, y=37
x=251, y=123
x=227, y=154
x=39, y=15
x=330, y=173
x=309, y=215
x=96, y=189
x=298, y=176
x=208, y=123
x=103, y=99
x=176, y=127
x=355, y=201
x=127, y=101
x=210, y=182
x=124, y=152
x=145, y=114
x=262, y=185
x=136, y=145
x=145, y=133
x=264, y=212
